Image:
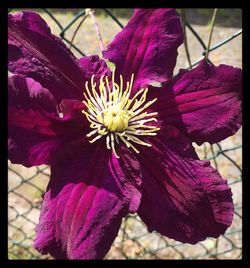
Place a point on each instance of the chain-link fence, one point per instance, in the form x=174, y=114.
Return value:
x=26, y=185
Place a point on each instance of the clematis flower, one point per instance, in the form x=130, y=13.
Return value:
x=115, y=142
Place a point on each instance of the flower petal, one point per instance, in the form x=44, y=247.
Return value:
x=94, y=65
x=182, y=197
x=204, y=103
x=147, y=46
x=36, y=53
x=88, y=194
x=35, y=129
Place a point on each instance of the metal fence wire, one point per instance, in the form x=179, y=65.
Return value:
x=26, y=185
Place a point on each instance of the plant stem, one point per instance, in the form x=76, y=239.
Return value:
x=90, y=12
x=77, y=28
x=183, y=21
x=211, y=32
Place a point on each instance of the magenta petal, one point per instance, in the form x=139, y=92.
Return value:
x=34, y=127
x=35, y=52
x=205, y=103
x=183, y=197
x=94, y=65
x=147, y=46
x=87, y=197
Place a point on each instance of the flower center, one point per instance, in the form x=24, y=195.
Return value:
x=113, y=114
x=115, y=119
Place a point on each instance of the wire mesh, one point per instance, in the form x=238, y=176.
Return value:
x=133, y=241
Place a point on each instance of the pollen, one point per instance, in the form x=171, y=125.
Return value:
x=116, y=115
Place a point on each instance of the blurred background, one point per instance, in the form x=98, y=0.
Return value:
x=214, y=33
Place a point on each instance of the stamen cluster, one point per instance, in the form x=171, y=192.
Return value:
x=114, y=115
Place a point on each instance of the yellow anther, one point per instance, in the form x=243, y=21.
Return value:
x=115, y=119
x=114, y=115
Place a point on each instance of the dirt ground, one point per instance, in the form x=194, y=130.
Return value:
x=134, y=241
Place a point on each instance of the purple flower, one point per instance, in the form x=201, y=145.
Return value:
x=116, y=143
